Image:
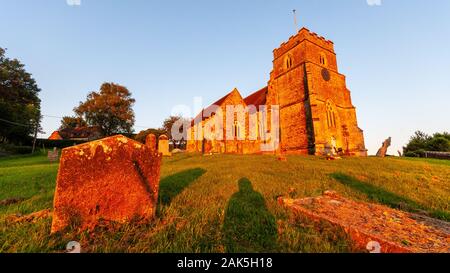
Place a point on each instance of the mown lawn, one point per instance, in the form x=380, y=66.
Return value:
x=227, y=203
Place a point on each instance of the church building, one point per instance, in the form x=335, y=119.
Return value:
x=306, y=108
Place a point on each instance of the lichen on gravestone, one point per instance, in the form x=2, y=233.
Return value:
x=112, y=179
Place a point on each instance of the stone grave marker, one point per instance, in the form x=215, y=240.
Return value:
x=53, y=156
x=163, y=145
x=112, y=179
x=373, y=227
x=150, y=141
x=383, y=150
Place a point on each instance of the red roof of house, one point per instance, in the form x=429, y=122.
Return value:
x=80, y=132
x=55, y=136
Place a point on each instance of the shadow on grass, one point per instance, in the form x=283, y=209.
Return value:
x=388, y=198
x=171, y=186
x=248, y=225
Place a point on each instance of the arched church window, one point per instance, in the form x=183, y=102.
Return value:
x=288, y=62
x=236, y=129
x=331, y=115
x=323, y=59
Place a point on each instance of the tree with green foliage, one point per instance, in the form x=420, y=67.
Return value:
x=20, y=106
x=110, y=109
x=72, y=122
x=421, y=142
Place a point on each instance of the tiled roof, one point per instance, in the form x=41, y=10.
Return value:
x=217, y=103
x=258, y=98
x=79, y=132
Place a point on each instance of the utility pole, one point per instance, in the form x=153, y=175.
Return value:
x=35, y=137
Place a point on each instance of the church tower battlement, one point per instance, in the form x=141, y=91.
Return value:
x=305, y=46
x=302, y=35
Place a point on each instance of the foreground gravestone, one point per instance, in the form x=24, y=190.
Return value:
x=375, y=228
x=163, y=145
x=112, y=179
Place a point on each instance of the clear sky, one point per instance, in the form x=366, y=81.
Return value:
x=395, y=55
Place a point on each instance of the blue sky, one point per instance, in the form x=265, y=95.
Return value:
x=395, y=55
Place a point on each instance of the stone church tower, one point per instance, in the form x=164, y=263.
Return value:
x=316, y=113
x=315, y=105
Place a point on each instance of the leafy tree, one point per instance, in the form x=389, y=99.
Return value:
x=110, y=109
x=417, y=142
x=439, y=143
x=421, y=142
x=72, y=122
x=20, y=106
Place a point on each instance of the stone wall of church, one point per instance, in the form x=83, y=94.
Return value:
x=235, y=137
x=334, y=116
x=286, y=89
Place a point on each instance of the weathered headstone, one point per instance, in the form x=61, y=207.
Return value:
x=112, y=179
x=327, y=150
x=375, y=228
x=53, y=155
x=150, y=142
x=163, y=145
x=383, y=150
x=333, y=146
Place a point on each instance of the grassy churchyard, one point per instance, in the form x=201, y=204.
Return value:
x=225, y=203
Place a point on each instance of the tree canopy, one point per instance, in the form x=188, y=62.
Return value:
x=421, y=142
x=20, y=106
x=110, y=109
x=72, y=122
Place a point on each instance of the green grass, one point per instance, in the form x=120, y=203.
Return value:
x=228, y=203
x=429, y=160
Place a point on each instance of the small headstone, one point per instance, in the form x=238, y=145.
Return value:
x=383, y=150
x=112, y=179
x=333, y=146
x=53, y=156
x=327, y=150
x=163, y=145
x=150, y=142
